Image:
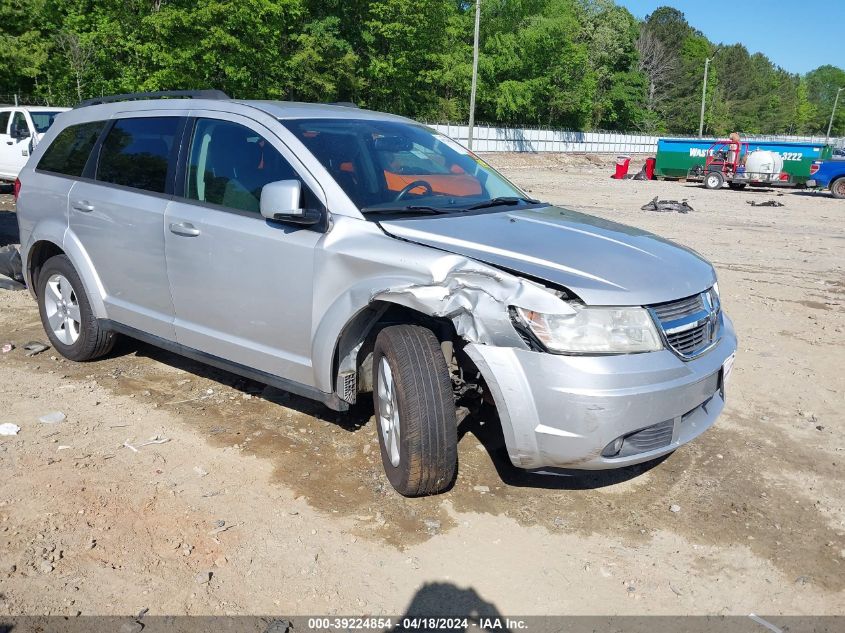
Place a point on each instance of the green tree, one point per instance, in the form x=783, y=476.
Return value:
x=822, y=85
x=805, y=110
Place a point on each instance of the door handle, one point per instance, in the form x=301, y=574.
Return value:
x=83, y=205
x=184, y=228
x=10, y=142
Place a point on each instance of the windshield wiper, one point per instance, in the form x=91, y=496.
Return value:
x=408, y=208
x=500, y=201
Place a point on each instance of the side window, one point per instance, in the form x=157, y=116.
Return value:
x=69, y=151
x=229, y=165
x=137, y=153
x=19, y=122
x=4, y=122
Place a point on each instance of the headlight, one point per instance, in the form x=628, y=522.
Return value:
x=594, y=330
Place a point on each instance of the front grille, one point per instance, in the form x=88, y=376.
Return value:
x=691, y=325
x=649, y=439
x=679, y=309
x=688, y=342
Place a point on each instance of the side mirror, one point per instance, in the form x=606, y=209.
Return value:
x=280, y=200
x=20, y=132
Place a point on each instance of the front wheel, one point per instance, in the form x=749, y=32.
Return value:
x=66, y=313
x=837, y=188
x=714, y=180
x=415, y=411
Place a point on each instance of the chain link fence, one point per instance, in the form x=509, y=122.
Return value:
x=24, y=100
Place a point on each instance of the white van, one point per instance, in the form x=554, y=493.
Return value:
x=21, y=128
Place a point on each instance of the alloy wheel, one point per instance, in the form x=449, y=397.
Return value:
x=61, y=304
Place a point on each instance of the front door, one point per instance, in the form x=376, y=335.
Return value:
x=119, y=219
x=14, y=152
x=241, y=285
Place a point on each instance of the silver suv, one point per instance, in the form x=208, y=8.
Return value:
x=332, y=251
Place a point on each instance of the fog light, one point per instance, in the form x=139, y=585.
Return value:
x=613, y=448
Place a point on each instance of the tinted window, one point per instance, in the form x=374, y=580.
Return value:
x=42, y=120
x=4, y=121
x=136, y=153
x=230, y=164
x=69, y=151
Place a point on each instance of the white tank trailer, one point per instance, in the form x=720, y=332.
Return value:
x=763, y=162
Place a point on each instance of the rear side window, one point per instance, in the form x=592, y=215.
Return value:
x=42, y=120
x=4, y=121
x=69, y=151
x=138, y=153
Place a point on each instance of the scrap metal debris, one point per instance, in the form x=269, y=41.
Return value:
x=766, y=623
x=8, y=428
x=767, y=203
x=11, y=271
x=34, y=347
x=155, y=439
x=8, y=347
x=54, y=417
x=667, y=206
x=219, y=529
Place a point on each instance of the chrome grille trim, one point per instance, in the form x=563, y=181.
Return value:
x=691, y=325
x=679, y=309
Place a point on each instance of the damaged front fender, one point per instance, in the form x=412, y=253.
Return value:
x=476, y=299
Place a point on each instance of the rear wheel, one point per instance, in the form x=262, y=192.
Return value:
x=415, y=411
x=837, y=188
x=714, y=180
x=66, y=313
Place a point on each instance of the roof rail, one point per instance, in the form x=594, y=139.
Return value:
x=162, y=94
x=345, y=104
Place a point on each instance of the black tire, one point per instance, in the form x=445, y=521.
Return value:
x=428, y=428
x=837, y=188
x=94, y=341
x=714, y=180
x=737, y=186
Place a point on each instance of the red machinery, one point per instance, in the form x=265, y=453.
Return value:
x=725, y=157
x=726, y=162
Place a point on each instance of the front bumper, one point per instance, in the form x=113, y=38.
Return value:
x=562, y=411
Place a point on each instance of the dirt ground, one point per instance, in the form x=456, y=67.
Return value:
x=264, y=503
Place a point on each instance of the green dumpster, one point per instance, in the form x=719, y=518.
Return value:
x=675, y=157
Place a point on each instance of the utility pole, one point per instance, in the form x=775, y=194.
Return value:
x=830, y=125
x=474, y=73
x=703, y=98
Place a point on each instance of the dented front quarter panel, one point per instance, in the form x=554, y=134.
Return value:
x=359, y=265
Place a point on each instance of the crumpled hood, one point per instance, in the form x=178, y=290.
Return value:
x=603, y=262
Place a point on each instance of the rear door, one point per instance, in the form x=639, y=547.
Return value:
x=119, y=217
x=241, y=285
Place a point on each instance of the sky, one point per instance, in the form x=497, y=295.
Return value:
x=797, y=36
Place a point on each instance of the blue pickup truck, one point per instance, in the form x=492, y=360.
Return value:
x=829, y=174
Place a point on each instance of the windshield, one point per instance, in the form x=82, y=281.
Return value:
x=43, y=120
x=388, y=166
